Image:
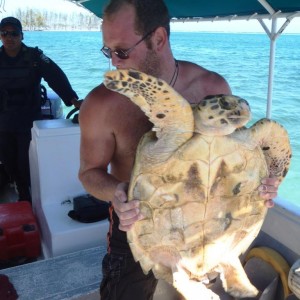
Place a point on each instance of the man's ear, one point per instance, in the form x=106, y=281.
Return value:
x=160, y=38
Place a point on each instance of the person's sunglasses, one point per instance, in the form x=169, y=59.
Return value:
x=121, y=53
x=10, y=33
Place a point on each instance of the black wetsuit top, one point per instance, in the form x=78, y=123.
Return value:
x=20, y=91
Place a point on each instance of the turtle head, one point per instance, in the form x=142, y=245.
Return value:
x=221, y=115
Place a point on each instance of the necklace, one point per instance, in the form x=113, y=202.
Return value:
x=175, y=74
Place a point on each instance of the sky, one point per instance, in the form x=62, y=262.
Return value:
x=7, y=7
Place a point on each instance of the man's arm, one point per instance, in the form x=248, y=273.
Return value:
x=57, y=80
x=97, y=147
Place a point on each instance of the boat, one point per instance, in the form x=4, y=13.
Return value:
x=72, y=251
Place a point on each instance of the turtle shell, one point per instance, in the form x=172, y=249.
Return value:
x=197, y=175
x=198, y=206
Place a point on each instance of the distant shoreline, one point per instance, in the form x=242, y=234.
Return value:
x=63, y=30
x=177, y=30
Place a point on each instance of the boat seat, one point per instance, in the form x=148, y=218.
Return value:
x=67, y=276
x=54, y=164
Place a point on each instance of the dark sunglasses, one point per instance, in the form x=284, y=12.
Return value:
x=10, y=33
x=121, y=53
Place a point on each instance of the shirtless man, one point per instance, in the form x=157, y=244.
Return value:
x=111, y=127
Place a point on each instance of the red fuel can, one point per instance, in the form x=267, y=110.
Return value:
x=19, y=232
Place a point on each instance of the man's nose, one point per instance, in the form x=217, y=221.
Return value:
x=116, y=61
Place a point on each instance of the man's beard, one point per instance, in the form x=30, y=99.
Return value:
x=151, y=64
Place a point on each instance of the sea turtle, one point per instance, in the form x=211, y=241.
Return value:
x=197, y=175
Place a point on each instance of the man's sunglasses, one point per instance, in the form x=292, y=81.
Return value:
x=121, y=53
x=10, y=33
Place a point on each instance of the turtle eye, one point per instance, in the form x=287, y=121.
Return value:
x=225, y=104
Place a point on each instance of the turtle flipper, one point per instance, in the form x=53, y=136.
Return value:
x=191, y=289
x=170, y=113
x=235, y=280
x=274, y=142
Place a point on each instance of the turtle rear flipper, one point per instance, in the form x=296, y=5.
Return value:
x=191, y=289
x=235, y=281
x=274, y=142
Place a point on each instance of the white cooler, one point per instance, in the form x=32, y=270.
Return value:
x=54, y=165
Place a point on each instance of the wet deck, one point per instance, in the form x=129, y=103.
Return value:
x=70, y=276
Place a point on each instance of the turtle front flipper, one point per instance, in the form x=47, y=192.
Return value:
x=275, y=144
x=170, y=113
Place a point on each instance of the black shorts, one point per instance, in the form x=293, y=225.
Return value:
x=123, y=279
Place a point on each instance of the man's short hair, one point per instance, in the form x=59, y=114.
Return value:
x=149, y=14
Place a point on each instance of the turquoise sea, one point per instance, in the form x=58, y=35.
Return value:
x=241, y=58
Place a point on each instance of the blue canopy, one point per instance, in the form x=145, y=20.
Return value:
x=213, y=8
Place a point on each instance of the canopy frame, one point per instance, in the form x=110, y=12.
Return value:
x=273, y=34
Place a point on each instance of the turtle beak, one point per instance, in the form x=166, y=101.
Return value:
x=238, y=109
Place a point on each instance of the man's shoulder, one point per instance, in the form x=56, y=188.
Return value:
x=97, y=100
x=196, y=70
x=199, y=72
x=101, y=96
x=104, y=103
x=202, y=81
x=95, y=109
x=34, y=50
x=37, y=54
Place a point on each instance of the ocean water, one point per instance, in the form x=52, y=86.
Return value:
x=241, y=58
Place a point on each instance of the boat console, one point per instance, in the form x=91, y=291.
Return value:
x=54, y=165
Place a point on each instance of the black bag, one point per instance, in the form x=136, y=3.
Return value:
x=88, y=209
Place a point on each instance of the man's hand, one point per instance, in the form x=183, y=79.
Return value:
x=268, y=190
x=128, y=212
x=76, y=102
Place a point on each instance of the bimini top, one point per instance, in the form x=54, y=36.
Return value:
x=216, y=9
